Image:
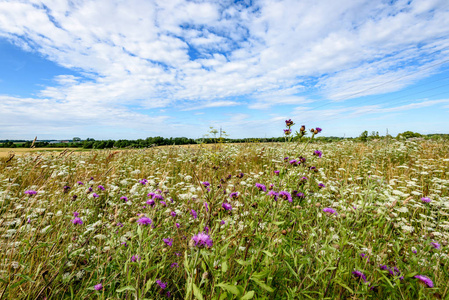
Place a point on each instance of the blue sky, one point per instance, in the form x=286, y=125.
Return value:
x=132, y=69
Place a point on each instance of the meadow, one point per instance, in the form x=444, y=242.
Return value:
x=344, y=220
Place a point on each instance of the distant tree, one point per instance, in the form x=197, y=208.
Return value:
x=76, y=139
x=364, y=136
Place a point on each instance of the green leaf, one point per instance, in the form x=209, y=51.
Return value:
x=261, y=275
x=248, y=295
x=148, y=286
x=76, y=252
x=126, y=288
x=268, y=253
x=224, y=267
x=279, y=223
x=262, y=284
x=197, y=292
x=344, y=285
x=26, y=277
x=242, y=262
x=230, y=288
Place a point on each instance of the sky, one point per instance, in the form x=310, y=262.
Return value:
x=132, y=69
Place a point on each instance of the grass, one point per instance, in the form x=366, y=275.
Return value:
x=265, y=247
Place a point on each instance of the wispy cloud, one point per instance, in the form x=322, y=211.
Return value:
x=191, y=55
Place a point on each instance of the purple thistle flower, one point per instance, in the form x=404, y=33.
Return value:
x=359, y=274
x=163, y=203
x=143, y=181
x=151, y=202
x=66, y=188
x=206, y=229
x=206, y=183
x=168, y=241
x=124, y=243
x=135, y=258
x=234, y=195
x=173, y=214
x=286, y=196
x=168, y=294
x=426, y=280
x=318, y=153
x=77, y=221
x=161, y=284
x=174, y=265
x=30, y=192
x=318, y=129
x=80, y=183
x=329, y=211
x=426, y=199
x=293, y=162
x=276, y=172
x=202, y=240
x=223, y=222
x=435, y=245
x=226, y=206
x=206, y=206
x=29, y=221
x=119, y=224
x=286, y=158
x=98, y=287
x=90, y=189
x=95, y=195
x=91, y=179
x=289, y=123
x=101, y=187
x=124, y=198
x=76, y=214
x=144, y=221
x=151, y=195
x=178, y=225
x=193, y=213
x=300, y=195
x=321, y=185
x=273, y=194
x=261, y=187
x=287, y=131
x=158, y=197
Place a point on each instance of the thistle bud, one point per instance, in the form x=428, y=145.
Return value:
x=303, y=128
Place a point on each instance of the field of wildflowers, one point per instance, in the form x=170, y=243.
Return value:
x=344, y=220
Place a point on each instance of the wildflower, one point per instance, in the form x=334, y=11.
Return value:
x=168, y=294
x=143, y=181
x=91, y=179
x=206, y=183
x=95, y=195
x=287, y=131
x=206, y=229
x=90, y=189
x=300, y=195
x=414, y=250
x=261, y=187
x=158, y=197
x=77, y=221
x=435, y=245
x=151, y=195
x=226, y=206
x=329, y=211
x=318, y=130
x=223, y=222
x=168, y=241
x=119, y=224
x=76, y=214
x=285, y=195
x=234, y=195
x=178, y=225
x=321, y=185
x=240, y=175
x=359, y=274
x=150, y=202
x=29, y=221
x=289, y=123
x=101, y=187
x=135, y=258
x=173, y=214
x=161, y=284
x=66, y=189
x=273, y=194
x=144, y=221
x=426, y=199
x=98, y=287
x=271, y=186
x=424, y=279
x=80, y=183
x=163, y=203
x=303, y=128
x=124, y=198
x=206, y=206
x=124, y=243
x=318, y=153
x=293, y=162
x=202, y=240
x=286, y=158
x=174, y=265
x=74, y=197
x=276, y=172
x=30, y=192
x=193, y=213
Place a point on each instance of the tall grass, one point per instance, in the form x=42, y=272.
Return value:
x=264, y=247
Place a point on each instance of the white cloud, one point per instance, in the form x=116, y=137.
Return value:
x=155, y=54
